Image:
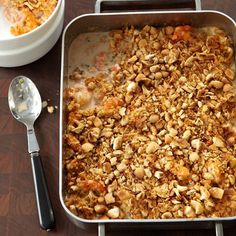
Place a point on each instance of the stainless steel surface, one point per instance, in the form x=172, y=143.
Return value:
x=109, y=21
x=119, y=5
x=25, y=105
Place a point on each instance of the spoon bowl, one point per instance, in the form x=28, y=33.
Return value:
x=24, y=100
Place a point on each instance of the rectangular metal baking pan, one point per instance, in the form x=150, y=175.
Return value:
x=109, y=21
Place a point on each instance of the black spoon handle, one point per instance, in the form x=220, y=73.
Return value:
x=45, y=211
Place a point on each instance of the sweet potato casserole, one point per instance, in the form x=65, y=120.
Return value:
x=151, y=125
x=26, y=15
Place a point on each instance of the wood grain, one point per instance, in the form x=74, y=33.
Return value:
x=18, y=214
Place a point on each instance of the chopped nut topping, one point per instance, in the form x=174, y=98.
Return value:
x=151, y=134
x=139, y=172
x=218, y=142
x=216, y=192
x=189, y=212
x=193, y=156
x=197, y=206
x=109, y=198
x=113, y=213
x=152, y=147
x=100, y=209
x=87, y=147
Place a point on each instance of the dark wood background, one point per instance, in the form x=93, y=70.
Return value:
x=18, y=215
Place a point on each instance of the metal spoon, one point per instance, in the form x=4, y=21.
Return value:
x=25, y=104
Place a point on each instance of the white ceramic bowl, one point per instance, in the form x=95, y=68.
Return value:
x=29, y=47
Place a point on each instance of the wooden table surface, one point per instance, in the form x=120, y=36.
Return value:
x=18, y=215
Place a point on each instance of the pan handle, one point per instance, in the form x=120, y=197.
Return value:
x=102, y=231
x=219, y=229
x=145, y=5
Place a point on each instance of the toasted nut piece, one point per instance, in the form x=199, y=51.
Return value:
x=181, y=188
x=107, y=167
x=117, y=143
x=73, y=209
x=87, y=147
x=182, y=79
x=149, y=57
x=79, y=128
x=158, y=174
x=117, y=153
x=196, y=143
x=114, y=212
x=166, y=215
x=165, y=74
x=189, y=212
x=50, y=109
x=216, y=84
x=154, y=69
x=197, y=206
x=101, y=200
x=147, y=172
x=132, y=86
x=209, y=204
x=187, y=134
x=158, y=75
x=123, y=194
x=232, y=161
x=173, y=132
x=231, y=140
x=142, y=43
x=195, y=177
x=182, y=173
x=113, y=161
x=162, y=191
x=139, y=172
x=74, y=187
x=133, y=59
x=190, y=192
x=218, y=142
x=169, y=30
x=121, y=167
x=97, y=122
x=116, y=173
x=231, y=179
x=107, y=132
x=100, y=209
x=193, y=156
x=216, y=192
x=204, y=193
x=152, y=147
x=168, y=139
x=229, y=73
x=208, y=176
x=156, y=45
x=122, y=111
x=109, y=198
x=227, y=88
x=124, y=121
x=94, y=134
x=214, y=168
x=153, y=118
